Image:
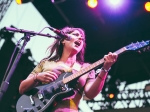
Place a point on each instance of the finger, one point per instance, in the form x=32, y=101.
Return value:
x=57, y=71
x=52, y=75
x=110, y=53
x=105, y=57
x=114, y=56
x=108, y=57
x=48, y=80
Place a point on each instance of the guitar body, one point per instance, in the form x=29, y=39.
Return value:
x=40, y=98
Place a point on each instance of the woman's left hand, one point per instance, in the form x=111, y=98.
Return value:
x=109, y=60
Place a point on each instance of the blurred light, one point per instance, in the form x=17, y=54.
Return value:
x=117, y=5
x=147, y=6
x=23, y=1
x=115, y=2
x=111, y=95
x=57, y=1
x=19, y=2
x=92, y=3
x=112, y=92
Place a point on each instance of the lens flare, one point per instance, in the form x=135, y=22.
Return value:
x=92, y=3
x=114, y=2
x=147, y=6
x=111, y=95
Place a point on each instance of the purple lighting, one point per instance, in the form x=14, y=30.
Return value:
x=115, y=6
x=114, y=3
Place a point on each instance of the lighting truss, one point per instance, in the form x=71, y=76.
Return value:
x=4, y=5
x=124, y=99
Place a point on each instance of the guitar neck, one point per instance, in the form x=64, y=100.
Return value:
x=89, y=68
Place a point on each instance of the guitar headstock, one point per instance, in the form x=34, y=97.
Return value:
x=138, y=45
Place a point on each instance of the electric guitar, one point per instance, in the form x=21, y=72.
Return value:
x=40, y=98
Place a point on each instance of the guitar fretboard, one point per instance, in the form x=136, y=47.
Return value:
x=89, y=68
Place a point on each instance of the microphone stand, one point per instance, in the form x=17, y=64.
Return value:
x=27, y=35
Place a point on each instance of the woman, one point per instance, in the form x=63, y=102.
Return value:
x=68, y=56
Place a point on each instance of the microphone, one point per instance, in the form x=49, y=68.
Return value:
x=60, y=33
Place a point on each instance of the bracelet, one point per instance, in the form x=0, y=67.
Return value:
x=105, y=69
x=100, y=77
x=35, y=78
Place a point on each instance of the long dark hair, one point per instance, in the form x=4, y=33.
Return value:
x=56, y=49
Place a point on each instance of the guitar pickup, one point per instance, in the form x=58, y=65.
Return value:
x=32, y=101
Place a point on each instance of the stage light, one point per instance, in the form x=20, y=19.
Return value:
x=19, y=2
x=57, y=1
x=111, y=92
x=23, y=1
x=115, y=3
x=147, y=6
x=92, y=3
x=115, y=6
x=111, y=95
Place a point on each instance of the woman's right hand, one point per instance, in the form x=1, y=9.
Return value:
x=50, y=76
